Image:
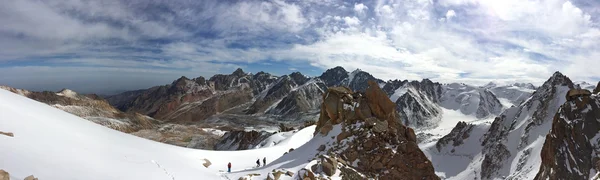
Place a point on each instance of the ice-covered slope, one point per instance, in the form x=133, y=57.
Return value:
x=470, y=100
x=513, y=94
x=53, y=144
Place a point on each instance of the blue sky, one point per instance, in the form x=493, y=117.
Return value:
x=107, y=46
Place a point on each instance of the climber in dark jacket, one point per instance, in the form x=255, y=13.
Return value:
x=264, y=161
x=229, y=167
x=258, y=163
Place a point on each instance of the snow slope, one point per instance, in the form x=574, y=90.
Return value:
x=53, y=144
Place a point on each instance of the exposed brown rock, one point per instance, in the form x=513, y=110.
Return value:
x=342, y=136
x=4, y=175
x=574, y=93
x=7, y=134
x=306, y=174
x=289, y=173
x=206, y=163
x=368, y=155
x=31, y=177
x=570, y=149
x=597, y=90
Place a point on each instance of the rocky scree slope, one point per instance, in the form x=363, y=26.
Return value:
x=372, y=143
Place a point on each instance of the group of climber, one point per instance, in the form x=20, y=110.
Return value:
x=257, y=164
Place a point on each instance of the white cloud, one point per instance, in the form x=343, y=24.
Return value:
x=360, y=8
x=450, y=14
x=351, y=21
x=510, y=40
x=292, y=69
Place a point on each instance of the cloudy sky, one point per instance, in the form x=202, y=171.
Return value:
x=105, y=46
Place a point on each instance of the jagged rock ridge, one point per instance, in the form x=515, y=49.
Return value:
x=372, y=142
x=572, y=148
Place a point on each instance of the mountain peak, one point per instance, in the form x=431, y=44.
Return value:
x=357, y=70
x=491, y=84
x=238, y=72
x=558, y=79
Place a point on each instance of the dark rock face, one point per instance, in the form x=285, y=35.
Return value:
x=192, y=100
x=370, y=131
x=305, y=99
x=528, y=121
x=571, y=148
x=597, y=90
x=241, y=140
x=278, y=91
x=334, y=76
x=121, y=100
x=418, y=107
x=460, y=132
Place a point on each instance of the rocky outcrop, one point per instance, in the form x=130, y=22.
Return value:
x=372, y=141
x=241, y=140
x=572, y=148
x=459, y=133
x=31, y=177
x=4, y=175
x=597, y=90
x=9, y=134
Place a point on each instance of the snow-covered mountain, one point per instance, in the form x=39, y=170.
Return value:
x=421, y=104
x=584, y=85
x=509, y=147
x=513, y=94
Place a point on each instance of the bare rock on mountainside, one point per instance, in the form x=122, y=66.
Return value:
x=379, y=146
x=572, y=148
x=31, y=177
x=206, y=163
x=7, y=134
x=461, y=131
x=241, y=140
x=190, y=136
x=4, y=175
x=597, y=90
